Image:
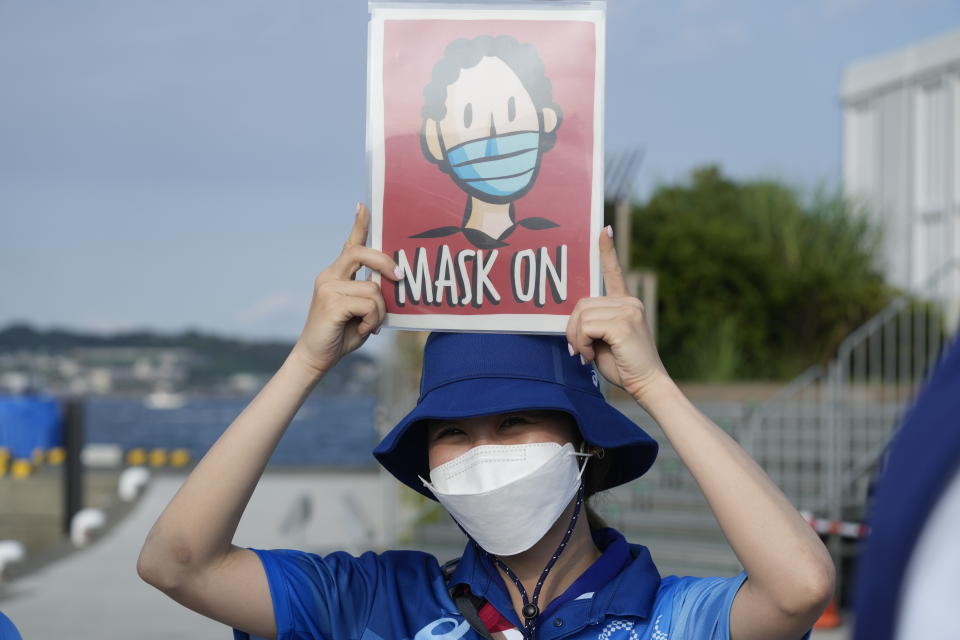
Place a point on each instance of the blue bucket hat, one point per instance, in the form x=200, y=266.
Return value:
x=475, y=374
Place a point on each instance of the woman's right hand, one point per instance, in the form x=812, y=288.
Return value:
x=345, y=311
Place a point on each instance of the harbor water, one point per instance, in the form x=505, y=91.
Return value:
x=330, y=431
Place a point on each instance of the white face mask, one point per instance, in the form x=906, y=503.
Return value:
x=506, y=497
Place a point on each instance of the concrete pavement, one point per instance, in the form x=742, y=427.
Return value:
x=96, y=593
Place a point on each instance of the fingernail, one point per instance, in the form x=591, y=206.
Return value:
x=376, y=331
x=359, y=204
x=609, y=230
x=397, y=271
x=570, y=348
x=582, y=359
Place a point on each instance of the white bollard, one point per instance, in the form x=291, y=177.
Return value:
x=102, y=456
x=132, y=482
x=10, y=551
x=84, y=523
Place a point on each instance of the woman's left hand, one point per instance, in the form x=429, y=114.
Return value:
x=611, y=331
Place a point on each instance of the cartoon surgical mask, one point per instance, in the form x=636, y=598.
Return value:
x=490, y=99
x=499, y=166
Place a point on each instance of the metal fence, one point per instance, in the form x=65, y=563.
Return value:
x=822, y=438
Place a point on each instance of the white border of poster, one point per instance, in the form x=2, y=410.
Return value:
x=587, y=11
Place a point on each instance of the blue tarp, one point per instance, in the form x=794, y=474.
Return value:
x=28, y=423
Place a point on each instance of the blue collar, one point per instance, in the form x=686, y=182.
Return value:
x=624, y=580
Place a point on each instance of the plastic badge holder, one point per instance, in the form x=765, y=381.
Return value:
x=485, y=149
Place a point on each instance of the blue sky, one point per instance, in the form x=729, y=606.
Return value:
x=195, y=164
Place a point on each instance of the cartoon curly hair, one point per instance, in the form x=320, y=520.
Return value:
x=465, y=53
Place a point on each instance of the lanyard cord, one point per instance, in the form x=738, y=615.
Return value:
x=530, y=609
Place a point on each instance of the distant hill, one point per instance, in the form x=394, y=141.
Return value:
x=213, y=358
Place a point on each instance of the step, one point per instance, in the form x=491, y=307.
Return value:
x=676, y=556
x=648, y=497
x=690, y=525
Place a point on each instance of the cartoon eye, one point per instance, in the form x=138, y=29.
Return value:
x=467, y=115
x=511, y=109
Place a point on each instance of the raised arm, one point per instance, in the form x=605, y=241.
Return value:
x=189, y=553
x=790, y=574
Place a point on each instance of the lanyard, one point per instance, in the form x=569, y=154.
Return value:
x=530, y=609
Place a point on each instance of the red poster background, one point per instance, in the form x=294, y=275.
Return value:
x=418, y=196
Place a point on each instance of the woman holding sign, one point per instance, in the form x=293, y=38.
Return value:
x=512, y=436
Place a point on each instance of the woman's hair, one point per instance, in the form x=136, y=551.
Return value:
x=593, y=481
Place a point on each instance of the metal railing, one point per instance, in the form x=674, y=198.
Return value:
x=822, y=437
x=786, y=436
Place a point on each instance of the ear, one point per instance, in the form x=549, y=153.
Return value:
x=431, y=136
x=550, y=120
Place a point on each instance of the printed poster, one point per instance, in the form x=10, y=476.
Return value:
x=485, y=144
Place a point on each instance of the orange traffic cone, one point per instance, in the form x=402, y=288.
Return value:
x=830, y=618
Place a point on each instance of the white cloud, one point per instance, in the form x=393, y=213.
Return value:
x=269, y=307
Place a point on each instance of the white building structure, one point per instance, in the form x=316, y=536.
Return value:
x=901, y=158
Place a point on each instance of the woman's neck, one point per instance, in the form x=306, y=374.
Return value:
x=579, y=553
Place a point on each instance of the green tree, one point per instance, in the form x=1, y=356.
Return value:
x=756, y=280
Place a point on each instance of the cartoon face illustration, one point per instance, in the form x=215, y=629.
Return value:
x=488, y=118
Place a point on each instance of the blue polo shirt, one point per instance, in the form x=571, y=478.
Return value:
x=7, y=630
x=403, y=595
